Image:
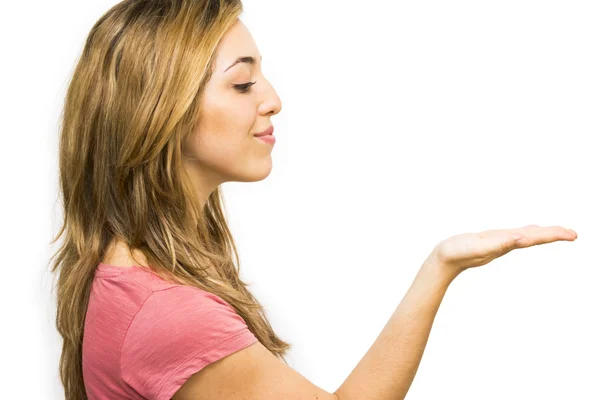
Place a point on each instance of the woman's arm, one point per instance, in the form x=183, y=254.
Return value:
x=390, y=365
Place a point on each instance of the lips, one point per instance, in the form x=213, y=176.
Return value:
x=268, y=131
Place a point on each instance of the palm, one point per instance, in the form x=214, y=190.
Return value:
x=469, y=250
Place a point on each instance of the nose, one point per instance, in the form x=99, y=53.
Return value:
x=271, y=104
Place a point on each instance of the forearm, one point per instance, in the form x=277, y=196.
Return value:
x=388, y=368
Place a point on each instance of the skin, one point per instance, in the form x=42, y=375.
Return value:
x=223, y=147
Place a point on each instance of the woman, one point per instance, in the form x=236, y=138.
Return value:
x=166, y=103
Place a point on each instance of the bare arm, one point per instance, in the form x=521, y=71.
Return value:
x=385, y=372
x=388, y=368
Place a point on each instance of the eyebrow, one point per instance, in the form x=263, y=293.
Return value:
x=246, y=59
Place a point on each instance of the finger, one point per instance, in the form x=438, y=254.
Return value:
x=535, y=235
x=559, y=232
x=502, y=232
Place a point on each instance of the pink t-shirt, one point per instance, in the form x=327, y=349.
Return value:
x=144, y=337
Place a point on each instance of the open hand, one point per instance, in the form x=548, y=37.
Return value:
x=468, y=250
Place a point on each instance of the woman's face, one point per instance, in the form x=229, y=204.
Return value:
x=223, y=147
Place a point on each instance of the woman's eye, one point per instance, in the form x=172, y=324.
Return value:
x=244, y=88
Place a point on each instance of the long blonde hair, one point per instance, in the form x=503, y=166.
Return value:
x=131, y=103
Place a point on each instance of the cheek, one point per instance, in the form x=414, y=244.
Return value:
x=225, y=143
x=224, y=147
x=218, y=150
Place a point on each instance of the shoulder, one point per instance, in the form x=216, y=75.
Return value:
x=193, y=314
x=177, y=331
x=185, y=308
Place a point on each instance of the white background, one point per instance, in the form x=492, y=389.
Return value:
x=403, y=123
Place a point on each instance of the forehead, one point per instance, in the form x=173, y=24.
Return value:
x=237, y=42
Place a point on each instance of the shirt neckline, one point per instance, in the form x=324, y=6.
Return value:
x=103, y=267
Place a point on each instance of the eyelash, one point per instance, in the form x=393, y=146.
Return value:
x=244, y=88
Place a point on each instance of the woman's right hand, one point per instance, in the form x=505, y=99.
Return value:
x=469, y=250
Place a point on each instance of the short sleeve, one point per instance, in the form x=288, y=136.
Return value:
x=176, y=333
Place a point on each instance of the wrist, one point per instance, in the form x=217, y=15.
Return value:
x=434, y=269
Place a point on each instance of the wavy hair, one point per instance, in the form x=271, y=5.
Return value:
x=131, y=104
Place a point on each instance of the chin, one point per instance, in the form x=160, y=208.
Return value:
x=261, y=176
x=258, y=173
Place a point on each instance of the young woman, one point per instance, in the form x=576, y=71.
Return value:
x=166, y=103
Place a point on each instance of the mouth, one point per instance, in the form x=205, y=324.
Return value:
x=267, y=132
x=269, y=139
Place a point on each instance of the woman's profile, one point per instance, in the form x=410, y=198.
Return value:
x=166, y=103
